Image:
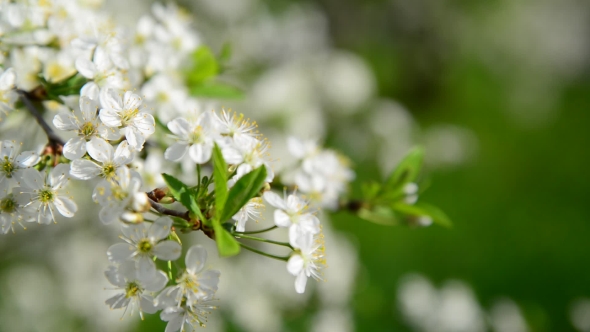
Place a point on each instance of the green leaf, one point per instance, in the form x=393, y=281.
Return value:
x=216, y=90
x=225, y=53
x=227, y=245
x=370, y=190
x=182, y=193
x=381, y=215
x=244, y=189
x=205, y=66
x=406, y=171
x=220, y=178
x=424, y=209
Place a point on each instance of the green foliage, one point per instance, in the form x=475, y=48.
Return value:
x=245, y=188
x=201, y=77
x=424, y=209
x=385, y=203
x=227, y=245
x=220, y=178
x=182, y=193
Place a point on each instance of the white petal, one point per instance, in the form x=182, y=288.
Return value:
x=167, y=250
x=65, y=206
x=208, y=283
x=59, y=176
x=135, y=138
x=282, y=219
x=195, y=259
x=110, y=118
x=90, y=90
x=27, y=159
x=180, y=127
x=146, y=304
x=123, y=154
x=86, y=68
x=120, y=252
x=75, y=148
x=100, y=150
x=156, y=283
x=110, y=214
x=84, y=169
x=117, y=301
x=7, y=79
x=114, y=277
x=309, y=223
x=89, y=108
x=300, y=283
x=160, y=229
x=295, y=264
x=176, y=151
x=145, y=123
x=33, y=179
x=131, y=101
x=65, y=121
x=274, y=200
x=146, y=268
x=200, y=153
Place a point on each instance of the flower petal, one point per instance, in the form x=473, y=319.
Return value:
x=282, y=219
x=65, y=206
x=75, y=148
x=300, y=283
x=200, y=153
x=86, y=68
x=195, y=259
x=167, y=250
x=295, y=264
x=100, y=150
x=27, y=159
x=120, y=252
x=274, y=200
x=180, y=127
x=110, y=118
x=176, y=151
x=83, y=169
x=65, y=121
x=160, y=229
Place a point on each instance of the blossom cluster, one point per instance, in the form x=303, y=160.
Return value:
x=119, y=96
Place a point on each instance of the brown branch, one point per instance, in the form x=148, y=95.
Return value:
x=54, y=140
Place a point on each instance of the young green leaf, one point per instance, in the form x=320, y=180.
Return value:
x=381, y=215
x=227, y=245
x=216, y=90
x=424, y=209
x=220, y=178
x=205, y=66
x=407, y=170
x=244, y=189
x=182, y=193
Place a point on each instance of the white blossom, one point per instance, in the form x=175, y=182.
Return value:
x=195, y=284
x=195, y=137
x=110, y=160
x=87, y=125
x=136, y=288
x=144, y=242
x=11, y=213
x=252, y=210
x=44, y=193
x=186, y=318
x=125, y=112
x=293, y=212
x=8, y=95
x=13, y=163
x=308, y=261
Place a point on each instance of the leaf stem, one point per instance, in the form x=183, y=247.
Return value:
x=281, y=258
x=241, y=236
x=258, y=231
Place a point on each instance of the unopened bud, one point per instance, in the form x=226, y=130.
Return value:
x=140, y=203
x=132, y=217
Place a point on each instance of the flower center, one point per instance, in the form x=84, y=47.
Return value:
x=46, y=196
x=128, y=115
x=108, y=170
x=7, y=167
x=144, y=246
x=197, y=135
x=190, y=282
x=132, y=290
x=87, y=130
x=118, y=193
x=8, y=204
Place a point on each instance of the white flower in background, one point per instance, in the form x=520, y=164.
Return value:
x=143, y=242
x=324, y=176
x=27, y=67
x=124, y=112
x=59, y=66
x=186, y=318
x=195, y=284
x=11, y=213
x=136, y=288
x=197, y=137
x=293, y=212
x=101, y=71
x=308, y=261
x=13, y=163
x=234, y=125
x=301, y=149
x=103, y=152
x=8, y=95
x=247, y=152
x=252, y=210
x=44, y=193
x=120, y=195
x=411, y=193
x=87, y=124
x=167, y=94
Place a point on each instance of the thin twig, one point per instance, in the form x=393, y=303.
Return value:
x=53, y=138
x=163, y=210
